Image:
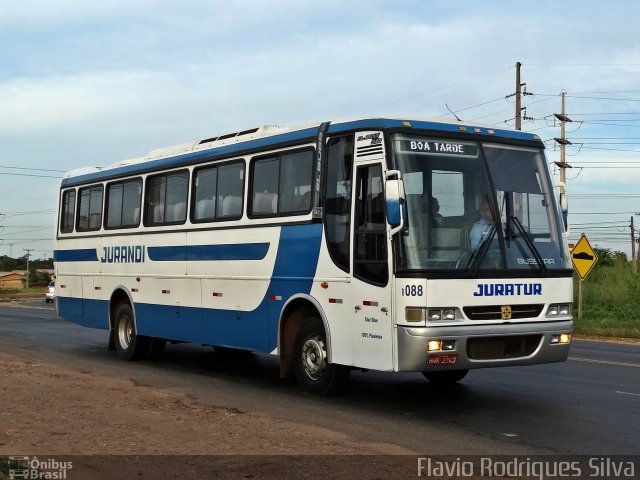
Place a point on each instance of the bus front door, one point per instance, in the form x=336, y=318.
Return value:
x=371, y=286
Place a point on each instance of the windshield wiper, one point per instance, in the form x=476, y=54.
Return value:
x=480, y=253
x=529, y=242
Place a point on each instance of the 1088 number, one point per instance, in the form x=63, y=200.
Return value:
x=412, y=291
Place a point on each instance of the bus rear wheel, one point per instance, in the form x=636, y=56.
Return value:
x=313, y=371
x=129, y=345
x=447, y=377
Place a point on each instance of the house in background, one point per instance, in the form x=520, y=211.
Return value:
x=15, y=279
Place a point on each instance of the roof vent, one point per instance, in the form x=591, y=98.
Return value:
x=228, y=135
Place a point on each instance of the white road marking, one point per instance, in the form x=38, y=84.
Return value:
x=628, y=393
x=604, y=362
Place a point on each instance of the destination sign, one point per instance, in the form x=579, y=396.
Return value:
x=438, y=147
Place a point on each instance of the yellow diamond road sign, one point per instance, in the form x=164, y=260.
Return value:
x=583, y=257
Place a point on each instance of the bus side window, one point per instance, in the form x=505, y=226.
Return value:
x=166, y=198
x=281, y=182
x=123, y=204
x=265, y=186
x=296, y=175
x=68, y=210
x=230, y=190
x=89, y=209
x=337, y=201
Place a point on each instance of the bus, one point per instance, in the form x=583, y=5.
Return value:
x=382, y=244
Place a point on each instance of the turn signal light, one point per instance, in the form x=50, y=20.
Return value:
x=563, y=338
x=439, y=345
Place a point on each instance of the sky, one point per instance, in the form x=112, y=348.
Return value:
x=92, y=83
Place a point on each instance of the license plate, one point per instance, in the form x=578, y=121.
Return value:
x=443, y=359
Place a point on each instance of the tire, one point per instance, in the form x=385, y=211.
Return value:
x=129, y=345
x=314, y=373
x=446, y=377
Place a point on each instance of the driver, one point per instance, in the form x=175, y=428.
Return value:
x=482, y=228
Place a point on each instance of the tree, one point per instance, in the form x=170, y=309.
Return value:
x=608, y=258
x=33, y=276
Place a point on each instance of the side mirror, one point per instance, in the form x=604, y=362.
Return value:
x=394, y=196
x=564, y=204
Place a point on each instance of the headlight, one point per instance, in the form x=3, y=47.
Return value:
x=556, y=309
x=448, y=313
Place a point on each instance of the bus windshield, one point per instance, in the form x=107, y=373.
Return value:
x=474, y=206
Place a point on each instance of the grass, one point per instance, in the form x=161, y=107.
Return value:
x=611, y=296
x=9, y=294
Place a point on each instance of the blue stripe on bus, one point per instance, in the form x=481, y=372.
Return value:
x=76, y=255
x=231, y=251
x=257, y=330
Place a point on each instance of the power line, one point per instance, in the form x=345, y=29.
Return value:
x=28, y=231
x=603, y=113
x=606, y=195
x=612, y=149
x=601, y=213
x=32, y=239
x=28, y=175
x=473, y=106
x=18, y=214
x=32, y=168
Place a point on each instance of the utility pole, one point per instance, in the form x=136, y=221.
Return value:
x=562, y=140
x=633, y=247
x=562, y=164
x=518, y=98
x=519, y=94
x=28, y=250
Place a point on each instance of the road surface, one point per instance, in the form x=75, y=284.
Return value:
x=589, y=405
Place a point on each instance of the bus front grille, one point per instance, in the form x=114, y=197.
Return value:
x=494, y=312
x=495, y=348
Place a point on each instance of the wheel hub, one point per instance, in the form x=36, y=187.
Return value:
x=125, y=332
x=314, y=357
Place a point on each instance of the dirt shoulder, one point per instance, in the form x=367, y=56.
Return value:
x=113, y=428
x=52, y=409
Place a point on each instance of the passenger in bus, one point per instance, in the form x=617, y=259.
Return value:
x=481, y=230
x=432, y=206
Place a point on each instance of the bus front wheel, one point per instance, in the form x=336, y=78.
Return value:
x=313, y=371
x=446, y=377
x=129, y=345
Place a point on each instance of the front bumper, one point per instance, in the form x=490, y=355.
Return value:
x=482, y=346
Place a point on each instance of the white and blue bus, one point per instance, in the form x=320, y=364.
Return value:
x=386, y=244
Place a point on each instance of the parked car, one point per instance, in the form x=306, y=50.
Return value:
x=50, y=292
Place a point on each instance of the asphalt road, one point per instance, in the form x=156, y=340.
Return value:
x=589, y=405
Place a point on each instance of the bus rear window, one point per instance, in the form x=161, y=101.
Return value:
x=68, y=210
